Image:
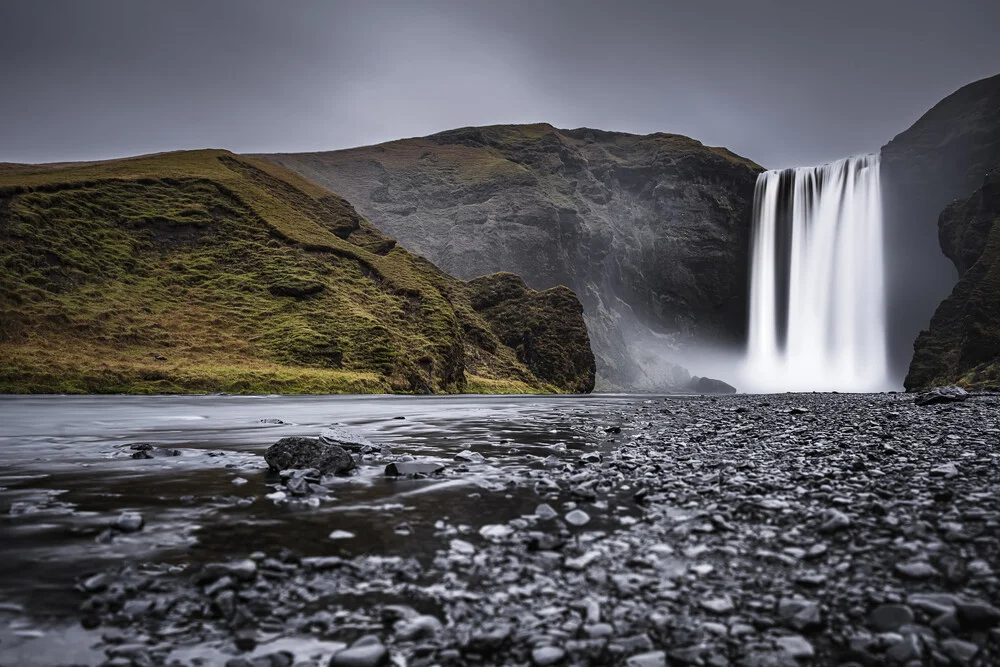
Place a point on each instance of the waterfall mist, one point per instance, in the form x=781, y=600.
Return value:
x=817, y=286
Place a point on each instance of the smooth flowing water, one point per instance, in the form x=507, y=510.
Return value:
x=66, y=471
x=817, y=293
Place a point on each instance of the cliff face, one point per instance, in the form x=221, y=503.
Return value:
x=204, y=271
x=943, y=156
x=962, y=345
x=651, y=232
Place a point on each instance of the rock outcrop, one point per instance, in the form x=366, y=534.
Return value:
x=943, y=156
x=651, y=232
x=962, y=344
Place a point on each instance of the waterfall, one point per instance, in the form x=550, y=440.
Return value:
x=817, y=293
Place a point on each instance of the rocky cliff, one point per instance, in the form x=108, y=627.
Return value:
x=652, y=232
x=962, y=345
x=204, y=271
x=943, y=156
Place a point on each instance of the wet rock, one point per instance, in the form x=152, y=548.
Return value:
x=365, y=652
x=346, y=438
x=97, y=583
x=545, y=512
x=939, y=395
x=418, y=627
x=577, y=518
x=299, y=453
x=408, y=468
x=648, y=659
x=720, y=605
x=796, y=646
x=489, y=639
x=835, y=521
x=916, y=570
x=144, y=450
x=959, y=650
x=462, y=547
x=496, y=532
x=977, y=615
x=799, y=614
x=129, y=522
x=547, y=655
x=341, y=535
x=890, y=617
x=945, y=470
x=468, y=456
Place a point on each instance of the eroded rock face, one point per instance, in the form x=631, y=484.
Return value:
x=962, y=344
x=945, y=155
x=300, y=453
x=651, y=232
x=545, y=329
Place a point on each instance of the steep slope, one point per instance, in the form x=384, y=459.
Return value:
x=204, y=271
x=652, y=232
x=943, y=156
x=962, y=345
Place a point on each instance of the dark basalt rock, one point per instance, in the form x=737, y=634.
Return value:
x=939, y=395
x=299, y=452
x=963, y=342
x=944, y=156
x=701, y=385
x=407, y=468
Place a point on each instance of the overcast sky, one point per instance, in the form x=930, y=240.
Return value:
x=784, y=83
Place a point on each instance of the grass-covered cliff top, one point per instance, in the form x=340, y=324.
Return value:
x=205, y=271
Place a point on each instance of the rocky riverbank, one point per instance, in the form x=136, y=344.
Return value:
x=738, y=530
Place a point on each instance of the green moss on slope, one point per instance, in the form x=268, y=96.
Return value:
x=204, y=271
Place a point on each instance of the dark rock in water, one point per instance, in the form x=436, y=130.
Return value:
x=299, y=452
x=144, y=450
x=271, y=421
x=710, y=386
x=350, y=440
x=940, y=395
x=406, y=468
x=129, y=522
x=365, y=652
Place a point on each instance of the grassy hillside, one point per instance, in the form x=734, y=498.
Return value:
x=204, y=271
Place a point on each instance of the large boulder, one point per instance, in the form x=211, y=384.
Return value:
x=710, y=386
x=297, y=452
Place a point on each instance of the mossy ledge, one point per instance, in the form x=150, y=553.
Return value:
x=203, y=271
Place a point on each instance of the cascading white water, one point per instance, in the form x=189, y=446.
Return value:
x=817, y=292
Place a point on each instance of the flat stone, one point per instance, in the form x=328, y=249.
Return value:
x=346, y=438
x=648, y=659
x=916, y=570
x=796, y=646
x=341, y=535
x=406, y=468
x=366, y=652
x=496, y=532
x=547, y=655
x=959, y=650
x=720, y=605
x=890, y=617
x=469, y=456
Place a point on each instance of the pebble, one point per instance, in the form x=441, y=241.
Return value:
x=577, y=518
x=547, y=655
x=129, y=522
